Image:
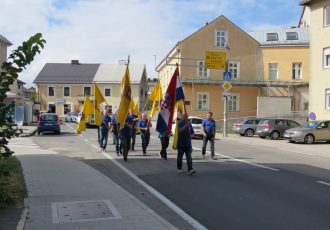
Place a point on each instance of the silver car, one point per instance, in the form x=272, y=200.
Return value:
x=246, y=127
x=310, y=132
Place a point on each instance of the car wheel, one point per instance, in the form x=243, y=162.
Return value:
x=262, y=137
x=275, y=135
x=249, y=133
x=309, y=139
x=242, y=135
x=39, y=133
x=58, y=132
x=291, y=141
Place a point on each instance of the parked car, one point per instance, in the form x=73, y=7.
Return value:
x=274, y=128
x=88, y=124
x=310, y=132
x=71, y=116
x=48, y=122
x=246, y=127
x=196, y=123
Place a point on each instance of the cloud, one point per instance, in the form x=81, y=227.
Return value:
x=105, y=31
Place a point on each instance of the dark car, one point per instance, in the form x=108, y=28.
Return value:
x=48, y=122
x=246, y=127
x=274, y=128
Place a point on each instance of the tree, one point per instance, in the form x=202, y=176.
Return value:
x=9, y=71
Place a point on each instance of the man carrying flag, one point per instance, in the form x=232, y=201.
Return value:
x=85, y=115
x=98, y=99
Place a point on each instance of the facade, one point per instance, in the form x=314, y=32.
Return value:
x=285, y=60
x=202, y=87
x=61, y=87
x=319, y=90
x=108, y=78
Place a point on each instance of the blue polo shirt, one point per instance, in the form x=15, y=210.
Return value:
x=126, y=131
x=105, y=121
x=209, y=126
x=143, y=124
x=114, y=123
x=184, y=139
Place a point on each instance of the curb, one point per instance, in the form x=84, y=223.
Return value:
x=29, y=134
x=21, y=223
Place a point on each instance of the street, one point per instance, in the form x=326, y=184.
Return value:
x=250, y=186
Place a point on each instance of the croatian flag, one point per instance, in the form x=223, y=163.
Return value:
x=174, y=93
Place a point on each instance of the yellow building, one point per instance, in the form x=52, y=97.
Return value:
x=203, y=87
x=319, y=90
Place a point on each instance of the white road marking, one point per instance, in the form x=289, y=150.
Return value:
x=95, y=146
x=70, y=127
x=234, y=159
x=85, y=139
x=157, y=194
x=324, y=183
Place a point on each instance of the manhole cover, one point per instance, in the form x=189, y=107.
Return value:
x=76, y=211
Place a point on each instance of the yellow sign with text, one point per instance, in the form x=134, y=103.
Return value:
x=215, y=60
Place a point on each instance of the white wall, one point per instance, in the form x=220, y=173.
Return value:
x=273, y=106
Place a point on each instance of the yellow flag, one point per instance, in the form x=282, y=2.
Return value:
x=156, y=94
x=97, y=117
x=126, y=97
x=135, y=107
x=86, y=113
x=179, y=106
x=98, y=97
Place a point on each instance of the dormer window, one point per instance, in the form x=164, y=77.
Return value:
x=272, y=36
x=291, y=36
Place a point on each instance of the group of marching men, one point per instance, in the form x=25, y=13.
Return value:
x=124, y=138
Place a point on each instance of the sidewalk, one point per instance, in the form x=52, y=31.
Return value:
x=27, y=130
x=67, y=194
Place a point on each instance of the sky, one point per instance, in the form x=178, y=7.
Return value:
x=106, y=31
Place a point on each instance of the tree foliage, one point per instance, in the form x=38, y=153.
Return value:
x=9, y=72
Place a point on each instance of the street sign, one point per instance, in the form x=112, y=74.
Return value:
x=215, y=60
x=226, y=95
x=227, y=76
x=312, y=116
x=226, y=86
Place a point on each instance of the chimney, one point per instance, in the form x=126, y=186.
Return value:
x=122, y=62
x=75, y=62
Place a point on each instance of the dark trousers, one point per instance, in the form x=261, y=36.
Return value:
x=133, y=139
x=98, y=134
x=145, y=141
x=181, y=152
x=103, y=137
x=164, y=142
x=205, y=140
x=116, y=141
x=125, y=145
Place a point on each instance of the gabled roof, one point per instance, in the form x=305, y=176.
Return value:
x=202, y=28
x=113, y=73
x=67, y=73
x=305, y=2
x=5, y=40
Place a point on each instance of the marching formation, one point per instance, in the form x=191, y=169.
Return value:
x=126, y=122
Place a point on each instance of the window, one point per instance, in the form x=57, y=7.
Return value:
x=233, y=103
x=107, y=92
x=291, y=36
x=51, y=91
x=296, y=71
x=327, y=99
x=326, y=57
x=202, y=71
x=66, y=91
x=327, y=16
x=220, y=38
x=203, y=101
x=87, y=91
x=67, y=108
x=234, y=68
x=273, y=72
x=272, y=37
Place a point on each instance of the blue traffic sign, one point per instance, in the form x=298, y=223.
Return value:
x=312, y=116
x=227, y=76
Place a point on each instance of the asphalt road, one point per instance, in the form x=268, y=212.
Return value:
x=250, y=186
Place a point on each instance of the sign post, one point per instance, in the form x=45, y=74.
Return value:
x=226, y=94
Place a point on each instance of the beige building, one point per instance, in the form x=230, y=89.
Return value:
x=202, y=87
x=319, y=23
x=108, y=78
x=61, y=87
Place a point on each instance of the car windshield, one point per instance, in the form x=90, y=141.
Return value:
x=264, y=122
x=311, y=124
x=48, y=117
x=196, y=121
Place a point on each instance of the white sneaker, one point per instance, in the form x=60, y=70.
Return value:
x=180, y=171
x=190, y=172
x=214, y=158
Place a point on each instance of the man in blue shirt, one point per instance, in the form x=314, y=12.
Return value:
x=144, y=126
x=104, y=130
x=114, y=126
x=185, y=132
x=135, y=121
x=125, y=136
x=208, y=131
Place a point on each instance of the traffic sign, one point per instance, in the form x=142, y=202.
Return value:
x=312, y=116
x=215, y=60
x=227, y=76
x=226, y=86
